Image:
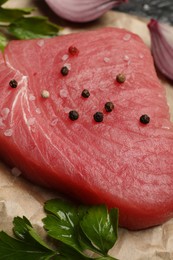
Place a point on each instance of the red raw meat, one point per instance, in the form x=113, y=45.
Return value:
x=119, y=161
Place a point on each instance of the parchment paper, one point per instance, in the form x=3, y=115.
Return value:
x=19, y=197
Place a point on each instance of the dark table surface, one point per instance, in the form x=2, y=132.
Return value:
x=158, y=9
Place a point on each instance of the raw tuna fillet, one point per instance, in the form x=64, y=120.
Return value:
x=120, y=161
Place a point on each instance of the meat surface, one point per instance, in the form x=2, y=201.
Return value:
x=119, y=161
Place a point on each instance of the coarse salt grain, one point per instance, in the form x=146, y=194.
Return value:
x=4, y=112
x=8, y=132
x=32, y=97
x=68, y=65
x=65, y=57
x=54, y=121
x=141, y=56
x=66, y=109
x=127, y=37
x=63, y=93
x=38, y=110
x=16, y=172
x=126, y=58
x=40, y=43
x=106, y=59
x=31, y=121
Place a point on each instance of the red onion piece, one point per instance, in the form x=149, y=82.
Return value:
x=162, y=47
x=82, y=10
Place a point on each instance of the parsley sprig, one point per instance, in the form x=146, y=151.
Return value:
x=73, y=230
x=17, y=23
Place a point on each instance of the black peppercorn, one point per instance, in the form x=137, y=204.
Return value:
x=13, y=83
x=121, y=78
x=144, y=119
x=64, y=71
x=109, y=106
x=73, y=115
x=85, y=93
x=98, y=116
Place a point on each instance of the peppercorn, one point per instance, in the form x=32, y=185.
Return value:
x=73, y=115
x=144, y=119
x=98, y=116
x=45, y=93
x=73, y=50
x=121, y=78
x=109, y=106
x=85, y=93
x=64, y=71
x=13, y=83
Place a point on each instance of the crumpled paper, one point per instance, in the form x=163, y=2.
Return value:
x=19, y=197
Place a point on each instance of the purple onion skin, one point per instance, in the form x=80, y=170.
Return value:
x=72, y=12
x=162, y=47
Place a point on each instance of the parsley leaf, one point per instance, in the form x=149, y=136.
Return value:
x=3, y=41
x=10, y=15
x=68, y=253
x=75, y=230
x=23, y=230
x=97, y=226
x=28, y=243
x=33, y=27
x=64, y=217
x=92, y=228
x=13, y=249
x=16, y=24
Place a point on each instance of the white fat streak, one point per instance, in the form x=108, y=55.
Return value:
x=23, y=93
x=24, y=81
x=2, y=125
x=12, y=68
x=54, y=146
x=24, y=101
x=46, y=136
